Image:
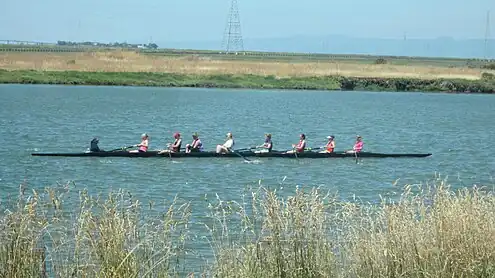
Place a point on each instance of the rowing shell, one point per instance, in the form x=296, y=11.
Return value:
x=245, y=154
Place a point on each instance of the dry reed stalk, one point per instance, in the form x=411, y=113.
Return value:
x=107, y=237
x=430, y=231
x=437, y=232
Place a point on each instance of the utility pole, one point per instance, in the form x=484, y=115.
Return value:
x=232, y=37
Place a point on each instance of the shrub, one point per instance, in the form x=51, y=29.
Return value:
x=487, y=76
x=490, y=66
x=380, y=61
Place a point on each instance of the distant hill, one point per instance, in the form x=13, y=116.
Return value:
x=439, y=47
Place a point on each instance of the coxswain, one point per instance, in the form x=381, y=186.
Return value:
x=299, y=147
x=175, y=146
x=267, y=145
x=358, y=146
x=330, y=146
x=227, y=146
x=196, y=145
x=94, y=145
x=143, y=146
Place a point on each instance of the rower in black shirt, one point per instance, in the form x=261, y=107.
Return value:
x=267, y=146
x=174, y=147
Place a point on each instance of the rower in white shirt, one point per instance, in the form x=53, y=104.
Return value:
x=227, y=146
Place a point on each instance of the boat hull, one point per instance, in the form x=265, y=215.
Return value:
x=245, y=154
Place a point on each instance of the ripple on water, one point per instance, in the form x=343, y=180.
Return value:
x=64, y=119
x=452, y=127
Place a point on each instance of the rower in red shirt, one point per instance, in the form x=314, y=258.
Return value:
x=330, y=146
x=299, y=148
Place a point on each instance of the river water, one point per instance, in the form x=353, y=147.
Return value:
x=456, y=128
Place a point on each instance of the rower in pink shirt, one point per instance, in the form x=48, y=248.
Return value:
x=143, y=146
x=196, y=145
x=358, y=146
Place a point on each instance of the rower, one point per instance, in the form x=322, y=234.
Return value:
x=94, y=145
x=196, y=145
x=228, y=145
x=358, y=146
x=330, y=146
x=267, y=145
x=143, y=146
x=299, y=148
x=174, y=147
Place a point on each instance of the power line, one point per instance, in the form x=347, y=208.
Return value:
x=232, y=37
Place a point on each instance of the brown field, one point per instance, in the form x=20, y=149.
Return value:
x=118, y=61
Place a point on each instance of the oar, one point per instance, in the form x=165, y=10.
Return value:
x=170, y=152
x=355, y=155
x=246, y=149
x=294, y=150
x=240, y=155
x=122, y=148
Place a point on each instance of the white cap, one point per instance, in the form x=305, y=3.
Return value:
x=330, y=137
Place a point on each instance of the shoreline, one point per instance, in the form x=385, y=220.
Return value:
x=246, y=81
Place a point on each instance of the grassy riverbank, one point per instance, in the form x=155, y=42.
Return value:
x=429, y=232
x=244, y=81
x=136, y=69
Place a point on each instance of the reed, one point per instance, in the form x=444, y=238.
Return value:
x=274, y=237
x=434, y=233
x=127, y=61
x=99, y=237
x=431, y=230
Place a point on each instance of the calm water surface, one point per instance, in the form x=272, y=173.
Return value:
x=457, y=129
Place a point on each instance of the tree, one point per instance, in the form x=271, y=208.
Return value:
x=153, y=45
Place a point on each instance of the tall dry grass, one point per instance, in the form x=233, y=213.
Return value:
x=119, y=61
x=276, y=237
x=429, y=231
x=434, y=233
x=99, y=237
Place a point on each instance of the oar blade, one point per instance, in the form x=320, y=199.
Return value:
x=240, y=155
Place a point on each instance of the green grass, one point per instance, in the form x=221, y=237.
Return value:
x=428, y=231
x=486, y=85
x=164, y=80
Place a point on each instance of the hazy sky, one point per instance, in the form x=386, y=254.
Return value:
x=195, y=20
